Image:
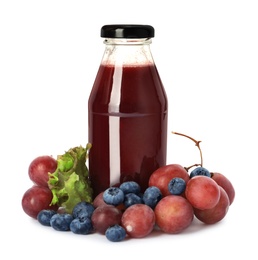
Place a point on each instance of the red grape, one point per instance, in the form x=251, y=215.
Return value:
x=98, y=200
x=138, y=220
x=39, y=169
x=105, y=216
x=36, y=199
x=202, y=192
x=225, y=183
x=214, y=215
x=163, y=175
x=173, y=214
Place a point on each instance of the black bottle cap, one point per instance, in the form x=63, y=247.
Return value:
x=131, y=31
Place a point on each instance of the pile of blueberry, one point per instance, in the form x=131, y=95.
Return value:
x=128, y=194
x=79, y=222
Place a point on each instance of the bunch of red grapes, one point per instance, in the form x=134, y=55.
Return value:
x=39, y=196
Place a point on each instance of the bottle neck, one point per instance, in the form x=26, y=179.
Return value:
x=127, y=52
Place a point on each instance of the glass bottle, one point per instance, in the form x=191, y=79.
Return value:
x=127, y=110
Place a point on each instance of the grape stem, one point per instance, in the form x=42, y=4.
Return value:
x=194, y=165
x=197, y=143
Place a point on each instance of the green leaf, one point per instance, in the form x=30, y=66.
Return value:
x=70, y=182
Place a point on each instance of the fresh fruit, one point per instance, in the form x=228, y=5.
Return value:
x=176, y=186
x=200, y=171
x=202, y=192
x=83, y=210
x=138, y=220
x=113, y=196
x=130, y=187
x=105, y=216
x=39, y=169
x=131, y=199
x=45, y=215
x=82, y=226
x=36, y=199
x=61, y=222
x=225, y=183
x=115, y=233
x=98, y=200
x=151, y=196
x=168, y=204
x=173, y=214
x=217, y=213
x=163, y=175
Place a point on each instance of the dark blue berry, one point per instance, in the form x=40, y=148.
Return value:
x=115, y=233
x=44, y=216
x=176, y=186
x=61, y=222
x=130, y=187
x=83, y=210
x=131, y=199
x=81, y=226
x=151, y=196
x=200, y=171
x=113, y=196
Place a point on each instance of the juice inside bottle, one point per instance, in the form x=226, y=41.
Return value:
x=127, y=118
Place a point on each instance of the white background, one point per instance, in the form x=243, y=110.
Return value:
x=207, y=56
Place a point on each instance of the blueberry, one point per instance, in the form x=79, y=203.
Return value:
x=81, y=226
x=61, y=222
x=200, y=171
x=131, y=199
x=130, y=187
x=115, y=233
x=113, y=196
x=176, y=186
x=83, y=210
x=151, y=196
x=44, y=216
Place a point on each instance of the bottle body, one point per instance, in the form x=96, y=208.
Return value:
x=127, y=113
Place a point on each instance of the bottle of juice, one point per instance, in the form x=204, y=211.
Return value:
x=127, y=110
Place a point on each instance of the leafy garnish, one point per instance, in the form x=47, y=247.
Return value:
x=70, y=182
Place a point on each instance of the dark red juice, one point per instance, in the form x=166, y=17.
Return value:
x=127, y=125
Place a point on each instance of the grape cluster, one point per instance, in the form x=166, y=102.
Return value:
x=39, y=196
